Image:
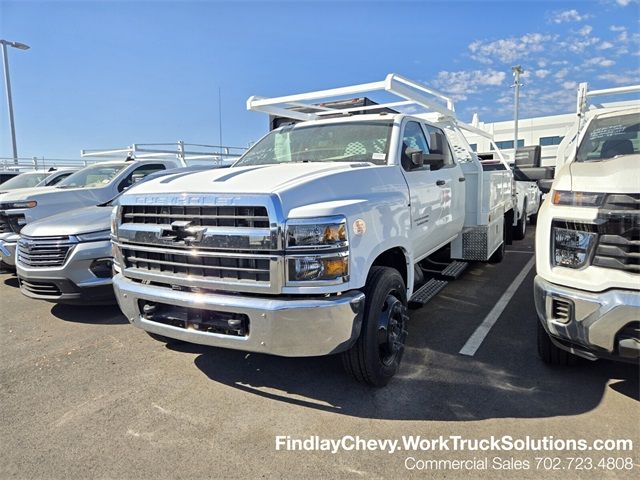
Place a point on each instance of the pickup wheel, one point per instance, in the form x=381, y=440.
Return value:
x=376, y=355
x=520, y=230
x=551, y=354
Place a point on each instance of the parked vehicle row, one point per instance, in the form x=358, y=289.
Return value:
x=344, y=215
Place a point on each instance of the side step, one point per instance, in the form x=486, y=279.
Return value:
x=426, y=292
x=454, y=270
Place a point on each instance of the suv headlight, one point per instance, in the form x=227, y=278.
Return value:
x=94, y=236
x=16, y=205
x=317, y=250
x=571, y=248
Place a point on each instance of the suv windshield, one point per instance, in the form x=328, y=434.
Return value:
x=333, y=142
x=24, y=180
x=610, y=137
x=92, y=176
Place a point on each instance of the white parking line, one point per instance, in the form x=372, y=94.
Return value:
x=476, y=339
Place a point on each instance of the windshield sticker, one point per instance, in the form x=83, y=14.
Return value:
x=609, y=131
x=378, y=156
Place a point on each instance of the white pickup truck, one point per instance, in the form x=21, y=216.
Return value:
x=587, y=288
x=311, y=244
x=92, y=185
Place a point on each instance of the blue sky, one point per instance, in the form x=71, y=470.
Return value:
x=105, y=74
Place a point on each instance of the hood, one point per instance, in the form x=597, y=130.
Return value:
x=74, y=222
x=616, y=175
x=297, y=184
x=22, y=191
x=259, y=179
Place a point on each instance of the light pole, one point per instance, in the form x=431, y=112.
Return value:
x=7, y=83
x=517, y=71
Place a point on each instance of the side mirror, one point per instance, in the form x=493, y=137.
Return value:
x=417, y=159
x=136, y=177
x=434, y=160
x=545, y=185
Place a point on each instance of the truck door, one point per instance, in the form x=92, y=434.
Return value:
x=425, y=195
x=450, y=180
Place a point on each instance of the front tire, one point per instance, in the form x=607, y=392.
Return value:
x=549, y=353
x=376, y=355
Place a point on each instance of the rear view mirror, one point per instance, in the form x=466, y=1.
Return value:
x=434, y=160
x=545, y=185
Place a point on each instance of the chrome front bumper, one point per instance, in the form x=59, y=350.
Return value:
x=287, y=327
x=74, y=279
x=8, y=245
x=594, y=320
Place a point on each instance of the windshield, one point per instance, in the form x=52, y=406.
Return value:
x=25, y=180
x=92, y=176
x=334, y=142
x=609, y=138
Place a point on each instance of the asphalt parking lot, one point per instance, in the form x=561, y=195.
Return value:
x=84, y=394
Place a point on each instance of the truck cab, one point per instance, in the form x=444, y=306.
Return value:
x=312, y=242
x=587, y=288
x=92, y=185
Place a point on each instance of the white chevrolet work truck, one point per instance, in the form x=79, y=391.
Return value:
x=311, y=244
x=587, y=288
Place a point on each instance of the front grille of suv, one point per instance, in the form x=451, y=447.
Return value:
x=43, y=252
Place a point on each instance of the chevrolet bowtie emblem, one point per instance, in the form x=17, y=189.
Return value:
x=182, y=233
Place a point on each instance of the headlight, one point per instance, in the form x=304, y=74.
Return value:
x=317, y=233
x=318, y=268
x=571, y=248
x=29, y=204
x=577, y=199
x=114, y=220
x=94, y=236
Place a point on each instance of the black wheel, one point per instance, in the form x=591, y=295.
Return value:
x=162, y=338
x=498, y=255
x=520, y=230
x=376, y=355
x=551, y=354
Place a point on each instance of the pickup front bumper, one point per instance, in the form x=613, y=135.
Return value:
x=590, y=325
x=285, y=326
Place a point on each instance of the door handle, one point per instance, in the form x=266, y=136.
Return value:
x=440, y=183
x=461, y=179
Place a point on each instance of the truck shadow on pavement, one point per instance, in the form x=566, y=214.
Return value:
x=430, y=386
x=94, y=314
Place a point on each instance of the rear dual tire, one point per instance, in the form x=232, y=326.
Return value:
x=520, y=230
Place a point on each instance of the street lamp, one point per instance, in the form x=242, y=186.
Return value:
x=7, y=82
x=517, y=71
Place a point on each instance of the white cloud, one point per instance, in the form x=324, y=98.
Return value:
x=560, y=74
x=542, y=73
x=605, y=45
x=509, y=50
x=623, y=3
x=617, y=28
x=565, y=16
x=599, y=62
x=586, y=30
x=569, y=85
x=620, y=79
x=463, y=83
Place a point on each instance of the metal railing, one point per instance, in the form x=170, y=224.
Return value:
x=41, y=163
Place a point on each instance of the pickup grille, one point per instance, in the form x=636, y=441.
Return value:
x=9, y=223
x=203, y=264
x=253, y=217
x=43, y=252
x=618, y=245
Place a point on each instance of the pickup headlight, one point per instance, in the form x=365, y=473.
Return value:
x=317, y=233
x=12, y=205
x=115, y=212
x=94, y=236
x=571, y=248
x=577, y=199
x=317, y=251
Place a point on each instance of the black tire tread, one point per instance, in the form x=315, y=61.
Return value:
x=551, y=354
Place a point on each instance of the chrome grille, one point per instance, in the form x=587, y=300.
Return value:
x=42, y=252
x=618, y=226
x=223, y=216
